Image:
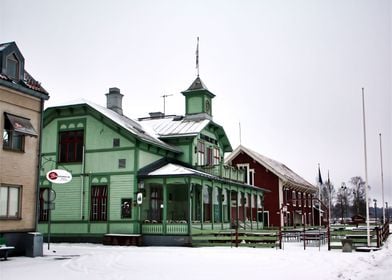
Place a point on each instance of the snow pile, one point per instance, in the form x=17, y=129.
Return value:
x=90, y=261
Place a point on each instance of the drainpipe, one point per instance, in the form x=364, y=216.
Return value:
x=82, y=193
x=39, y=164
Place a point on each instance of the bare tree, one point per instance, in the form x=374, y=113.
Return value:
x=359, y=195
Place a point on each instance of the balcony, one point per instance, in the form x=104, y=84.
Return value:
x=224, y=172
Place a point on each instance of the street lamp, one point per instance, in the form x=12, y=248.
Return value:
x=343, y=191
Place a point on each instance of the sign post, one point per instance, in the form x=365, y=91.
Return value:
x=57, y=176
x=49, y=196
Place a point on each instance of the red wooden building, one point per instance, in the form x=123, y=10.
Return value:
x=289, y=192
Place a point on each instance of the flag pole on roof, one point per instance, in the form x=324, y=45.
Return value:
x=197, y=57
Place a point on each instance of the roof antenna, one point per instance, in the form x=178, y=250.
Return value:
x=164, y=102
x=197, y=57
x=239, y=126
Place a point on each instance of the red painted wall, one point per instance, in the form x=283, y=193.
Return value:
x=267, y=180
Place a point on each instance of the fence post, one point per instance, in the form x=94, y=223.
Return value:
x=378, y=237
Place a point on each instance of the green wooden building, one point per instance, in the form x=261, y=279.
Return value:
x=160, y=177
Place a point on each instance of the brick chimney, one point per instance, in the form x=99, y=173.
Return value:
x=114, y=100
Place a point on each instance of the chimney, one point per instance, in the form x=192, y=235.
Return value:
x=114, y=100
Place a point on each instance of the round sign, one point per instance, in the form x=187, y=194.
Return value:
x=48, y=195
x=59, y=176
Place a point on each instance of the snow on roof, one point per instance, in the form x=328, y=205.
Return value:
x=281, y=170
x=174, y=126
x=132, y=126
x=175, y=169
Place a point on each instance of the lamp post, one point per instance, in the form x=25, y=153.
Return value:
x=343, y=189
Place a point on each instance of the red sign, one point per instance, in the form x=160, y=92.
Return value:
x=59, y=176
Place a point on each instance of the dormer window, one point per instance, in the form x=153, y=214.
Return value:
x=12, y=67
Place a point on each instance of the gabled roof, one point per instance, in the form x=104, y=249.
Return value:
x=279, y=169
x=128, y=124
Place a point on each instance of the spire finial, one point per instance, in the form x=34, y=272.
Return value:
x=197, y=57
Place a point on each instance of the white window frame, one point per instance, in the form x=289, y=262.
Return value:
x=250, y=173
x=5, y=202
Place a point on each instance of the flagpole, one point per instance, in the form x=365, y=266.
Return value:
x=382, y=183
x=366, y=171
x=319, y=195
x=329, y=204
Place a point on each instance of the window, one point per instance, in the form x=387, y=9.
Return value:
x=294, y=198
x=200, y=153
x=43, y=213
x=12, y=67
x=116, y=142
x=245, y=168
x=71, y=146
x=209, y=156
x=249, y=174
x=299, y=199
x=15, y=129
x=126, y=208
x=122, y=163
x=216, y=159
x=10, y=201
x=11, y=139
x=251, y=177
x=99, y=198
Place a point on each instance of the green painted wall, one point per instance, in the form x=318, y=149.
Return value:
x=185, y=156
x=49, y=138
x=121, y=186
x=67, y=201
x=194, y=104
x=100, y=136
x=108, y=161
x=146, y=158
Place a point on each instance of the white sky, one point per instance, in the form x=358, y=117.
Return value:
x=290, y=72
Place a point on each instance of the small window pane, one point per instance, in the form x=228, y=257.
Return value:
x=116, y=142
x=14, y=202
x=3, y=201
x=122, y=163
x=12, y=68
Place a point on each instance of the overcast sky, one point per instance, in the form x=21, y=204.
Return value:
x=290, y=72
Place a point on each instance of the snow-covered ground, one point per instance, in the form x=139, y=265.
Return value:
x=93, y=262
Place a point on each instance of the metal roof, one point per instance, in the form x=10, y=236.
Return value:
x=174, y=126
x=128, y=124
x=279, y=169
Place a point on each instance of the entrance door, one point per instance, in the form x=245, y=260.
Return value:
x=156, y=201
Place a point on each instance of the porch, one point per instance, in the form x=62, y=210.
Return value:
x=194, y=203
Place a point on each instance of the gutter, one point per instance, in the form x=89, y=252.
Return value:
x=25, y=90
x=39, y=163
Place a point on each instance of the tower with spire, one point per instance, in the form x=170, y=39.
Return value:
x=198, y=99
